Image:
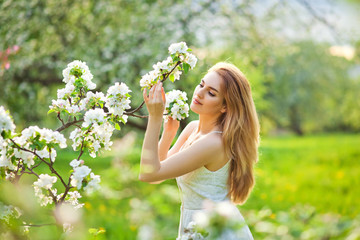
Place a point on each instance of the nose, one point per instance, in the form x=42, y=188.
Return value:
x=200, y=93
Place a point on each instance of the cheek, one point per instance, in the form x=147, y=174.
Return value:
x=214, y=103
x=195, y=91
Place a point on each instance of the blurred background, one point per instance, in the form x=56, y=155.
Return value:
x=301, y=57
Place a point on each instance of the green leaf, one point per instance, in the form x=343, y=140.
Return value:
x=172, y=77
x=6, y=134
x=50, y=111
x=122, y=120
x=189, y=50
x=186, y=67
x=117, y=126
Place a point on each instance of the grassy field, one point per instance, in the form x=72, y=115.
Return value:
x=322, y=171
x=317, y=174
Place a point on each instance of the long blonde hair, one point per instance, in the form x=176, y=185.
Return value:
x=240, y=128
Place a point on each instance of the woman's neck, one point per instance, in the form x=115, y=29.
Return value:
x=207, y=124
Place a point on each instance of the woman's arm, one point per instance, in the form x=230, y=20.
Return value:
x=200, y=153
x=169, y=131
x=183, y=137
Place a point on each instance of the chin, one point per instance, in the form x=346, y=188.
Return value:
x=193, y=108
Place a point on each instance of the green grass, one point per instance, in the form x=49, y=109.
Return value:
x=321, y=171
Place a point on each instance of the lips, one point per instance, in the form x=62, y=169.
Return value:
x=196, y=101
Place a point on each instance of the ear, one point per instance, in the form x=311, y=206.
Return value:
x=223, y=109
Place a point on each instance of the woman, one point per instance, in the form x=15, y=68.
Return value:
x=213, y=157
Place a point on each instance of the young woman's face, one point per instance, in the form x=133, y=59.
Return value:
x=208, y=96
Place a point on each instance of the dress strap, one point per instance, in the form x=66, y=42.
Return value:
x=216, y=132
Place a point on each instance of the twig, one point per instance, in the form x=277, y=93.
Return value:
x=50, y=166
x=66, y=190
x=135, y=115
x=58, y=116
x=142, y=104
x=31, y=172
x=35, y=166
x=68, y=124
x=82, y=144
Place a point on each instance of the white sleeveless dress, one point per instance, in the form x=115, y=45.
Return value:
x=203, y=184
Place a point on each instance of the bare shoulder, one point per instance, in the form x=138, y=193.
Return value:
x=192, y=125
x=212, y=140
x=184, y=135
x=189, y=129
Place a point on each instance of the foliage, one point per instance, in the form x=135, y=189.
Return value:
x=290, y=79
x=99, y=114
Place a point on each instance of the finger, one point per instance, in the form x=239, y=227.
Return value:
x=158, y=95
x=156, y=90
x=145, y=95
x=163, y=94
x=152, y=91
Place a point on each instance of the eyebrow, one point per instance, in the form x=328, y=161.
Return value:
x=202, y=80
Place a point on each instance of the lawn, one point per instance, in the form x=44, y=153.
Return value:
x=301, y=183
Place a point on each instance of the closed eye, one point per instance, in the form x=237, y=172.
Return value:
x=210, y=93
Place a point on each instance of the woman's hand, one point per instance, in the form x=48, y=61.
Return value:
x=171, y=125
x=155, y=102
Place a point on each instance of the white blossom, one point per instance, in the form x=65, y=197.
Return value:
x=85, y=73
x=78, y=176
x=6, y=123
x=118, y=99
x=49, y=135
x=59, y=104
x=75, y=163
x=72, y=198
x=93, y=98
x=97, y=137
x=164, y=66
x=201, y=219
x=65, y=92
x=45, y=153
x=93, y=185
x=4, y=159
x=191, y=232
x=73, y=109
x=27, y=157
x=116, y=89
x=180, y=47
x=9, y=176
x=149, y=79
x=191, y=60
x=8, y=211
x=45, y=181
x=176, y=74
x=176, y=106
x=75, y=136
x=226, y=209
x=92, y=116
x=44, y=199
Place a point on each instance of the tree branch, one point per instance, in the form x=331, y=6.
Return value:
x=49, y=164
x=68, y=124
x=142, y=104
